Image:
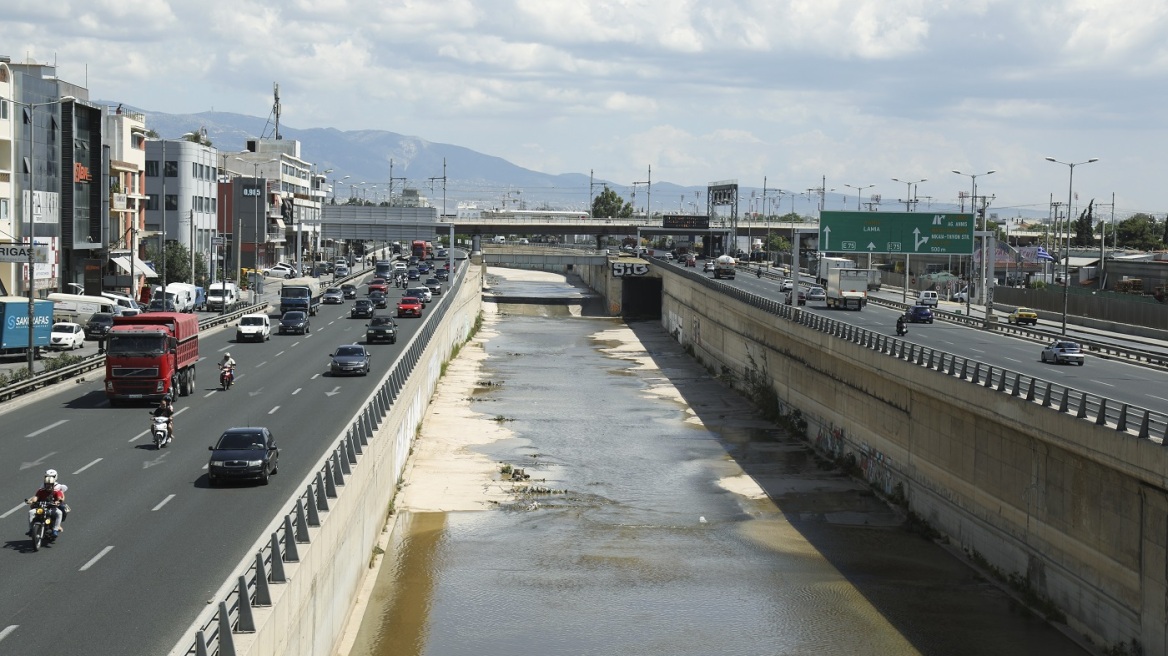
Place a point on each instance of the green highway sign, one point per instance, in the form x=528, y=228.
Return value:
x=915, y=233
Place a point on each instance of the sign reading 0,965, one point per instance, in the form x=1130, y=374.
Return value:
x=685, y=222
x=917, y=233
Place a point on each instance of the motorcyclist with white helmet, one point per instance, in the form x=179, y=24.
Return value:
x=52, y=492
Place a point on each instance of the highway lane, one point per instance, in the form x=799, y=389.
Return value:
x=149, y=542
x=1114, y=379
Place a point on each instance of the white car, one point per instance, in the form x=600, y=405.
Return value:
x=816, y=294
x=67, y=335
x=280, y=271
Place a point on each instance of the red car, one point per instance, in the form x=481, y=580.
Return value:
x=378, y=285
x=409, y=306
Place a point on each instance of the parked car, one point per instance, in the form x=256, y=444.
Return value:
x=918, y=314
x=349, y=290
x=333, y=296
x=960, y=296
x=409, y=306
x=65, y=335
x=434, y=285
x=295, y=322
x=379, y=300
x=280, y=271
x=349, y=359
x=243, y=454
x=362, y=309
x=1063, y=352
x=817, y=294
x=421, y=292
x=1022, y=315
x=253, y=327
x=381, y=329
x=99, y=325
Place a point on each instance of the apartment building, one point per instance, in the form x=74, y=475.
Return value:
x=182, y=198
x=125, y=139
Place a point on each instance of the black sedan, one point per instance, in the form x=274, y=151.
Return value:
x=295, y=321
x=243, y=454
x=442, y=274
x=349, y=291
x=98, y=325
x=377, y=298
x=381, y=329
x=413, y=274
x=349, y=359
x=362, y=308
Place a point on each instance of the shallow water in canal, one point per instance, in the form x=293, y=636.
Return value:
x=674, y=522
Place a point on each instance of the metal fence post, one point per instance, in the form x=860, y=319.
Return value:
x=1121, y=424
x=321, y=498
x=246, y=622
x=278, y=575
x=311, y=509
x=291, y=554
x=1100, y=420
x=201, y=644
x=342, y=461
x=977, y=374
x=226, y=642
x=301, y=522
x=263, y=594
x=1065, y=405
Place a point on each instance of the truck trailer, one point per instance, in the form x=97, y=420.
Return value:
x=14, y=324
x=149, y=356
x=724, y=267
x=826, y=264
x=847, y=288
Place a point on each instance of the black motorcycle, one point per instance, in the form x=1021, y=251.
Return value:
x=901, y=328
x=43, y=524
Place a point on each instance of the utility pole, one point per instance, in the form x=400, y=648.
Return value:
x=391, y=179
x=591, y=186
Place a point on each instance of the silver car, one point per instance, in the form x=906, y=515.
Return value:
x=333, y=296
x=816, y=294
x=421, y=292
x=1060, y=352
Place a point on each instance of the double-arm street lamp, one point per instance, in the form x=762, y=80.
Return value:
x=1067, y=250
x=973, y=201
x=33, y=209
x=910, y=199
x=858, y=190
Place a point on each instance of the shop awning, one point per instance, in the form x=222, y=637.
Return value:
x=139, y=267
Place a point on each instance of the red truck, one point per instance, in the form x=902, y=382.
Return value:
x=151, y=355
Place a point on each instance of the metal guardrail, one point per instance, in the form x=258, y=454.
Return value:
x=1125, y=418
x=92, y=362
x=233, y=613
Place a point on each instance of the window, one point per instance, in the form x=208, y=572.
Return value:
x=194, y=171
x=172, y=202
x=4, y=116
x=151, y=171
x=171, y=168
x=152, y=202
x=4, y=212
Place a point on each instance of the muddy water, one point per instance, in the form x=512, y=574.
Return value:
x=666, y=519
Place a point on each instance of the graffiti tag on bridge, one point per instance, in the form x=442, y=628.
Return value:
x=622, y=269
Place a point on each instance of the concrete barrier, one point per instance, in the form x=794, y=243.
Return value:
x=1071, y=505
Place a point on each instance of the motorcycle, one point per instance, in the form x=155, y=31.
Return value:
x=226, y=377
x=901, y=328
x=42, y=532
x=160, y=429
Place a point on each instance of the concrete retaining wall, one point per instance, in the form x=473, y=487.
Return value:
x=1074, y=509
x=309, y=612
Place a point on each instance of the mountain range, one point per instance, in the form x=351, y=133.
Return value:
x=472, y=178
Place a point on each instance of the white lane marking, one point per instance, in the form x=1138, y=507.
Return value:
x=12, y=511
x=977, y=350
x=87, y=466
x=140, y=435
x=224, y=348
x=6, y=630
x=297, y=342
x=273, y=410
x=47, y=428
x=1013, y=359
x=181, y=411
x=1103, y=383
x=201, y=359
x=279, y=354
x=261, y=364
x=296, y=391
x=329, y=323
x=210, y=393
x=96, y=558
x=162, y=503
x=1157, y=397
x=314, y=376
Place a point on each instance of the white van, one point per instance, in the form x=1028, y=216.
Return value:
x=253, y=327
x=928, y=298
x=122, y=301
x=182, y=294
x=78, y=308
x=499, y=239
x=222, y=295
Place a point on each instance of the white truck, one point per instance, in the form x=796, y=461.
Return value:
x=826, y=264
x=222, y=296
x=253, y=327
x=847, y=288
x=724, y=267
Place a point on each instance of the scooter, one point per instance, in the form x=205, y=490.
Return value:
x=160, y=429
x=226, y=377
x=901, y=328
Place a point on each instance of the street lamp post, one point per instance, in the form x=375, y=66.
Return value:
x=972, y=201
x=909, y=203
x=1067, y=251
x=858, y=189
x=32, y=107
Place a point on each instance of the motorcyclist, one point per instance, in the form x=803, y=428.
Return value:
x=901, y=328
x=758, y=272
x=62, y=488
x=166, y=409
x=47, y=492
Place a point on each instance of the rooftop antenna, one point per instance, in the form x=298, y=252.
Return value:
x=276, y=108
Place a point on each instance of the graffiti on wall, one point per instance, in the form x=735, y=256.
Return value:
x=622, y=269
x=877, y=468
x=830, y=440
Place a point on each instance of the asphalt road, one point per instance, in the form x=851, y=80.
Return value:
x=148, y=541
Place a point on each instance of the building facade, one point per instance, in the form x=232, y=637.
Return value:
x=182, y=199
x=125, y=139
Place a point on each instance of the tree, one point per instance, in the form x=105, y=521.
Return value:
x=610, y=205
x=177, y=266
x=1138, y=231
x=778, y=243
x=1084, y=227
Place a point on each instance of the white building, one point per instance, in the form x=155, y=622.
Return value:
x=183, y=192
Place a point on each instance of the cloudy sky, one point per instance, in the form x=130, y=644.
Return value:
x=859, y=91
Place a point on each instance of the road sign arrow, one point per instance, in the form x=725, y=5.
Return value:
x=871, y=246
x=336, y=390
x=918, y=239
x=826, y=237
x=157, y=461
x=39, y=461
x=255, y=393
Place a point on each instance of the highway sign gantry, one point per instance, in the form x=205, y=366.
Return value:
x=915, y=233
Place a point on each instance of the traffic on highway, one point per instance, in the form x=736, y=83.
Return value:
x=154, y=528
